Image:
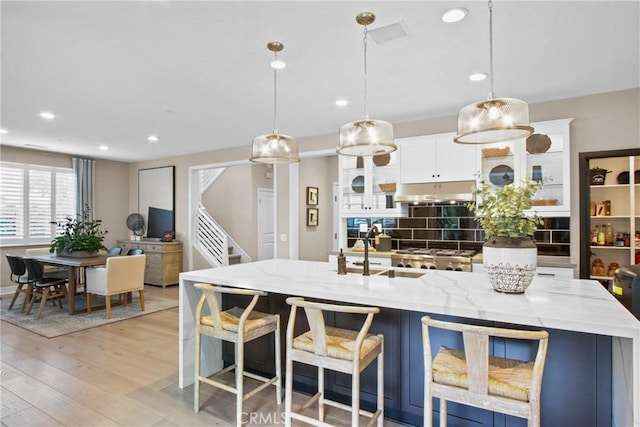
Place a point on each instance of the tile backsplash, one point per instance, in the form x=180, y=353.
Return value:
x=452, y=226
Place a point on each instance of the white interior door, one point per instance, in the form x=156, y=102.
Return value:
x=266, y=228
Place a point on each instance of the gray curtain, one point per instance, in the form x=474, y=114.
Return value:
x=83, y=171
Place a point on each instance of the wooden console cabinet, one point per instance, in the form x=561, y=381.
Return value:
x=164, y=260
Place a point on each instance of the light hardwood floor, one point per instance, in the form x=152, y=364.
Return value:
x=121, y=374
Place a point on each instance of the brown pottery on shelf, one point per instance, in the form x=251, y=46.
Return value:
x=538, y=143
x=381, y=159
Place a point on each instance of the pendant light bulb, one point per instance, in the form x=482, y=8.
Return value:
x=366, y=137
x=275, y=148
x=494, y=119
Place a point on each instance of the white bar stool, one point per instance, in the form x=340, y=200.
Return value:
x=336, y=349
x=239, y=326
x=474, y=378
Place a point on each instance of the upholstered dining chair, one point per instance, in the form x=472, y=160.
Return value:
x=115, y=250
x=135, y=251
x=119, y=276
x=19, y=276
x=472, y=377
x=44, y=288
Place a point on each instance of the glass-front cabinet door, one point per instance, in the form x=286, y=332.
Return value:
x=368, y=185
x=543, y=157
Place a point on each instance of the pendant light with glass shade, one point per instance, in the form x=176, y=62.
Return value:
x=275, y=148
x=494, y=119
x=366, y=137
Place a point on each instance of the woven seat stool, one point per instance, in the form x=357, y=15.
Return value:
x=473, y=377
x=336, y=349
x=239, y=326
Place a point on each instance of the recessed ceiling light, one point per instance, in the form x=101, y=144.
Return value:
x=455, y=14
x=153, y=138
x=341, y=102
x=278, y=64
x=103, y=148
x=477, y=77
x=47, y=115
x=3, y=131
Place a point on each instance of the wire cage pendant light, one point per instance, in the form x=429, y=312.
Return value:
x=366, y=137
x=275, y=148
x=493, y=119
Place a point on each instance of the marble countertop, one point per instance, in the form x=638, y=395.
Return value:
x=574, y=305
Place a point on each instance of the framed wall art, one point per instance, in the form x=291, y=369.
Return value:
x=312, y=217
x=312, y=196
x=156, y=201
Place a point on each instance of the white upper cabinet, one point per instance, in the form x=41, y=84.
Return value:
x=367, y=186
x=436, y=158
x=544, y=156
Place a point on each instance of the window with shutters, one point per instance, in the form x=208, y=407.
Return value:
x=31, y=197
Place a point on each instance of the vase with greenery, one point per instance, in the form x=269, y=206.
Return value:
x=81, y=236
x=509, y=253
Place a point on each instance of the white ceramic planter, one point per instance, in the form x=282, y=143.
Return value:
x=510, y=264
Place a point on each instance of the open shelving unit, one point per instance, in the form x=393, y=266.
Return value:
x=624, y=212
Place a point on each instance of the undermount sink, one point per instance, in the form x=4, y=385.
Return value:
x=376, y=272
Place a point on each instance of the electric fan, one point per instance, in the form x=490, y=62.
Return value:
x=135, y=223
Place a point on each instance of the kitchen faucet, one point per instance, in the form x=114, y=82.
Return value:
x=373, y=231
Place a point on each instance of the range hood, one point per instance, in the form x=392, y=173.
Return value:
x=459, y=191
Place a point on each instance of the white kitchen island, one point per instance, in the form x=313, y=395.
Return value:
x=567, y=305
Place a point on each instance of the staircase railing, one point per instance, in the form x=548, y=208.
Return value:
x=213, y=242
x=208, y=177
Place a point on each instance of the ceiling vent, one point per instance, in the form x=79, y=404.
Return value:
x=388, y=33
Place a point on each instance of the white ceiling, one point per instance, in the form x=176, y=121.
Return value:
x=197, y=73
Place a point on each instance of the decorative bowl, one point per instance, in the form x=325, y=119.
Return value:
x=495, y=152
x=382, y=159
x=358, y=184
x=389, y=187
x=538, y=143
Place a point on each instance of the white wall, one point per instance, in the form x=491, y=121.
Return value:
x=319, y=172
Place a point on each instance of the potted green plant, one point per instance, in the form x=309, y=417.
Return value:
x=81, y=236
x=509, y=253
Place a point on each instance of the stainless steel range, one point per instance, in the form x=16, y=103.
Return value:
x=434, y=259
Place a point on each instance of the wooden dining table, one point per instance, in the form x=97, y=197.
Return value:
x=75, y=266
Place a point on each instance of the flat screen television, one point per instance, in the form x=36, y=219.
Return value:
x=159, y=221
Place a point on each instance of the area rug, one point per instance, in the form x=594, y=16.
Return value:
x=55, y=322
